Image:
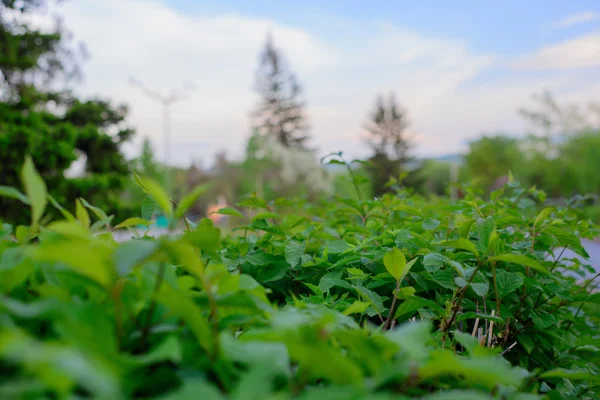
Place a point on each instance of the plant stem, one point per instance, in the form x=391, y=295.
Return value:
x=496, y=287
x=459, y=300
x=148, y=324
x=391, y=313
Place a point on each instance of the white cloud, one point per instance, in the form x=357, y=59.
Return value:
x=341, y=75
x=580, y=52
x=577, y=19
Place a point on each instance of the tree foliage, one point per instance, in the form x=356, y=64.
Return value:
x=50, y=124
x=389, y=140
x=280, y=114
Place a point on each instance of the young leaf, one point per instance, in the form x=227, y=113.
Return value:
x=133, y=221
x=230, y=211
x=395, y=263
x=190, y=199
x=148, y=208
x=68, y=216
x=97, y=211
x=543, y=215
x=358, y=307
x=35, y=188
x=82, y=215
x=152, y=188
x=11, y=192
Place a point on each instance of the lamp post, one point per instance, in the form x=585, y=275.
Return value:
x=166, y=101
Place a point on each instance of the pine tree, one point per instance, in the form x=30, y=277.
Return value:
x=388, y=137
x=280, y=113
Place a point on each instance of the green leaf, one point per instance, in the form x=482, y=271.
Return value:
x=373, y=298
x=152, y=188
x=11, y=192
x=407, y=209
x=485, y=229
x=526, y=342
x=82, y=215
x=23, y=234
x=543, y=321
x=543, y=215
x=148, y=208
x=194, y=389
x=522, y=260
x=293, y=252
x=77, y=256
x=460, y=394
x=508, y=282
x=405, y=292
x=97, y=211
x=414, y=303
x=35, y=189
x=264, y=215
x=481, y=289
x=358, y=307
x=463, y=244
x=133, y=221
x=206, y=236
x=574, y=374
x=230, y=211
x=132, y=253
x=66, y=214
x=395, y=263
x=184, y=308
x=189, y=200
x=430, y=224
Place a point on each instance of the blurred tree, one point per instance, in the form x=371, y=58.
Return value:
x=492, y=157
x=280, y=113
x=387, y=136
x=436, y=177
x=550, y=118
x=50, y=124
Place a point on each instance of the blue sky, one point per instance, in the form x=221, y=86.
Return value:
x=508, y=26
x=460, y=68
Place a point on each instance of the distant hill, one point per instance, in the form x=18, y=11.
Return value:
x=450, y=158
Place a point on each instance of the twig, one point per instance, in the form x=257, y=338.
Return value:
x=509, y=348
x=460, y=298
x=475, y=327
x=491, y=331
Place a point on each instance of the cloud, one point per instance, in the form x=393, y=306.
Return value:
x=342, y=74
x=580, y=52
x=577, y=19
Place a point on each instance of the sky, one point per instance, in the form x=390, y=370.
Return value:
x=459, y=68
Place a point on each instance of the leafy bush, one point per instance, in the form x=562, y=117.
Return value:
x=377, y=299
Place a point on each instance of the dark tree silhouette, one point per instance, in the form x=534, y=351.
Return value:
x=280, y=113
x=388, y=137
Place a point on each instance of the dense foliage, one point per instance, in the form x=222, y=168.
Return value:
x=374, y=299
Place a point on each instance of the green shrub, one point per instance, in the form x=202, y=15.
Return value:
x=378, y=299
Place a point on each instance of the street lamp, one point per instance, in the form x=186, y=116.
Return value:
x=166, y=101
